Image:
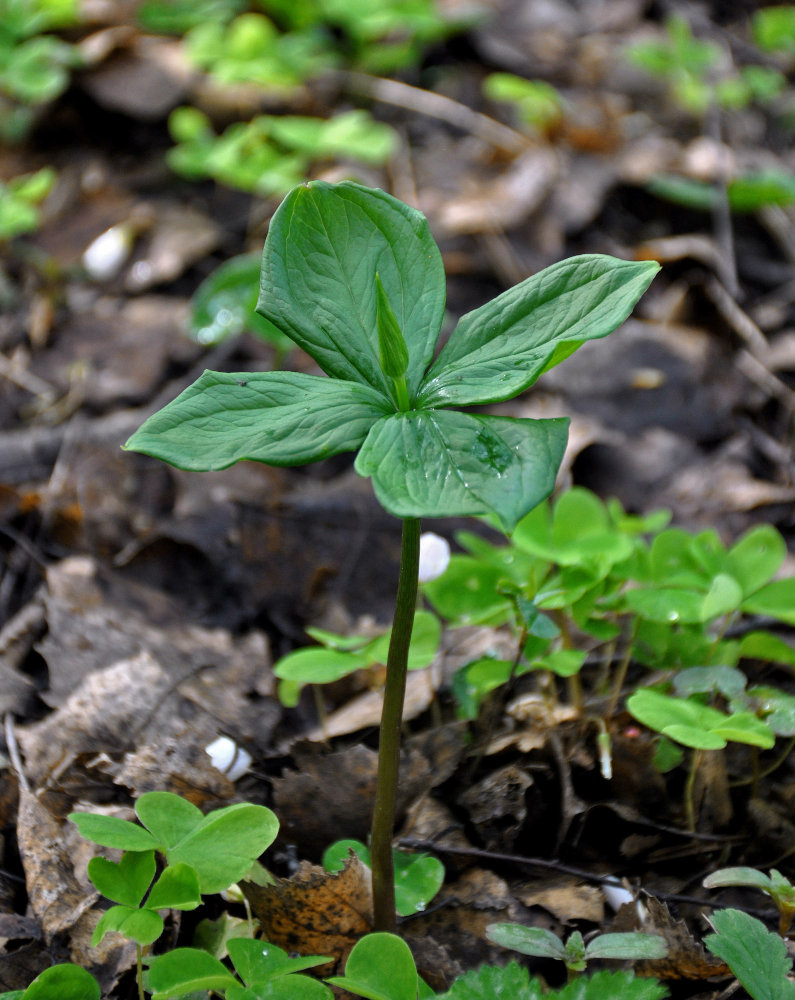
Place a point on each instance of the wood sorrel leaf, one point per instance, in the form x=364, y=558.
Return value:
x=380, y=967
x=282, y=418
x=126, y=881
x=324, y=245
x=67, y=982
x=185, y=970
x=501, y=348
x=434, y=463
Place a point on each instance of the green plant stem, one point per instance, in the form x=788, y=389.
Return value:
x=384, y=917
x=690, y=784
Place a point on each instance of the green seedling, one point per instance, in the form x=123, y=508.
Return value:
x=339, y=656
x=272, y=153
x=774, y=29
x=355, y=278
x=693, y=724
x=221, y=846
x=19, y=202
x=386, y=36
x=702, y=727
x=538, y=104
x=776, y=885
x=574, y=953
x=757, y=957
x=224, y=306
x=381, y=967
x=35, y=67
x=265, y=973
x=175, y=17
x=747, y=193
x=128, y=881
x=693, y=70
x=66, y=981
x=252, y=50
x=205, y=854
x=418, y=877
x=514, y=982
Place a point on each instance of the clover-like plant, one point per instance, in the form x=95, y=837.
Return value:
x=205, y=854
x=574, y=952
x=265, y=970
x=418, y=877
x=355, y=278
x=65, y=981
x=337, y=656
x=381, y=967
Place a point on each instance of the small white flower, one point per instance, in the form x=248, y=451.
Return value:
x=228, y=758
x=107, y=254
x=434, y=556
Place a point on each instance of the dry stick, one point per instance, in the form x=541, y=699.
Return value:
x=426, y=102
x=384, y=918
x=721, y=215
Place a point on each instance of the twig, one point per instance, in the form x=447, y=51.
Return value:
x=13, y=751
x=426, y=102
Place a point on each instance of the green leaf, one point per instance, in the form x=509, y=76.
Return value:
x=766, y=646
x=336, y=855
x=418, y=877
x=700, y=726
x=110, y=831
x=757, y=957
x=777, y=707
x=380, y=967
x=167, y=816
x=282, y=418
x=467, y=592
x=224, y=304
x=536, y=941
x=225, y=844
x=213, y=936
x=501, y=348
x=607, y=985
x=744, y=727
x=475, y=680
x=392, y=351
x=143, y=926
x=66, y=982
x=667, y=605
x=748, y=877
x=317, y=285
x=187, y=970
x=258, y=961
x=426, y=634
x=490, y=982
x=757, y=557
x=634, y=945
x=724, y=595
x=727, y=681
x=440, y=463
x=774, y=28
x=284, y=988
x=318, y=665
x=127, y=881
x=776, y=599
x=176, y=889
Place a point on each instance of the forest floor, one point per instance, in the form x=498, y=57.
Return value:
x=142, y=608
